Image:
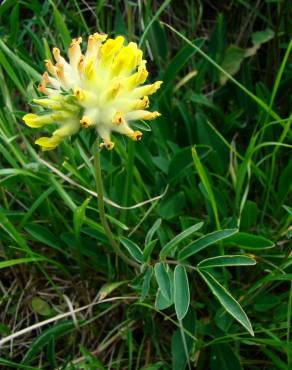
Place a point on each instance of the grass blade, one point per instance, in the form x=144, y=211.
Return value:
x=205, y=181
x=9, y=263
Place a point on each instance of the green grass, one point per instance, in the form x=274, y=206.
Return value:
x=216, y=167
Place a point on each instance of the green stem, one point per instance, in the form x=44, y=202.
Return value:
x=129, y=179
x=102, y=214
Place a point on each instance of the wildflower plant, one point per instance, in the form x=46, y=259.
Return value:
x=176, y=274
x=100, y=89
x=103, y=89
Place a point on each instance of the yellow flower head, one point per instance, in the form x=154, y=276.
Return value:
x=100, y=88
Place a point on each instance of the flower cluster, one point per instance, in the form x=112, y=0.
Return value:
x=101, y=89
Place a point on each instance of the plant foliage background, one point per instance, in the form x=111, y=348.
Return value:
x=219, y=154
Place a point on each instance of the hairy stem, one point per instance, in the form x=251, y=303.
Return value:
x=102, y=214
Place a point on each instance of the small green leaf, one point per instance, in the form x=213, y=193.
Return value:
x=41, y=307
x=163, y=280
x=181, y=292
x=152, y=231
x=107, y=288
x=233, y=58
x=179, y=238
x=221, y=261
x=250, y=241
x=141, y=125
x=133, y=249
x=205, y=242
x=227, y=301
x=261, y=37
x=146, y=282
x=161, y=302
x=148, y=250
